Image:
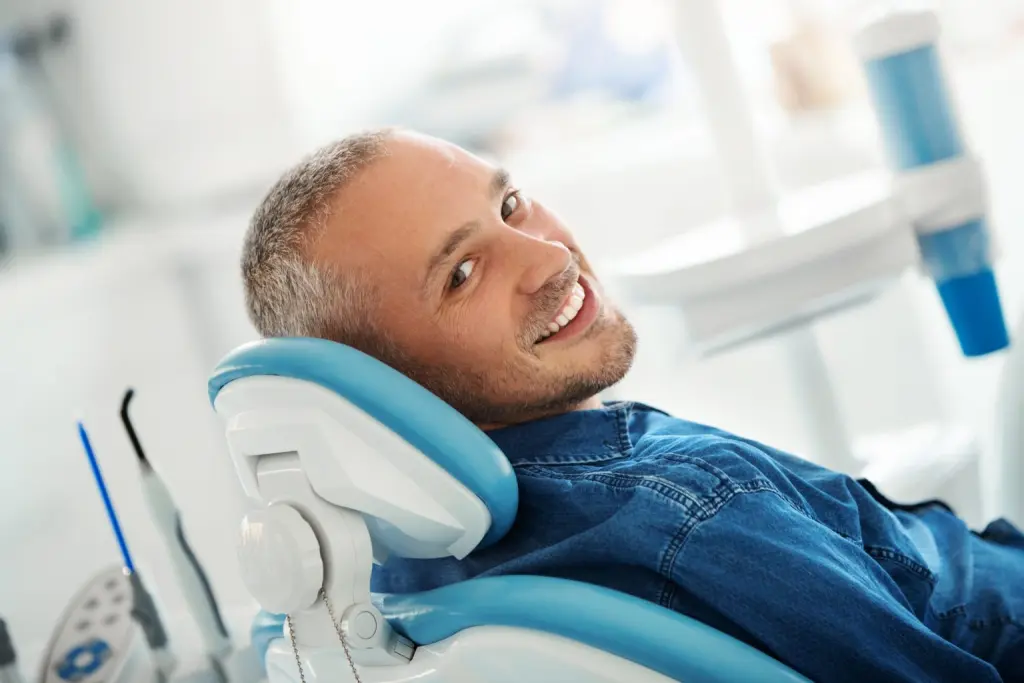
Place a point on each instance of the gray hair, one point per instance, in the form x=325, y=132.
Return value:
x=285, y=293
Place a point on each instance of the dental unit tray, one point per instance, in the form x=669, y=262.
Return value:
x=97, y=640
x=820, y=250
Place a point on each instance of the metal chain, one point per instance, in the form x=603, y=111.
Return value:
x=295, y=648
x=341, y=637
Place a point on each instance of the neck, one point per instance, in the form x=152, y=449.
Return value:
x=592, y=403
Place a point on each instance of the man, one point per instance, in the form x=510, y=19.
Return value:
x=431, y=260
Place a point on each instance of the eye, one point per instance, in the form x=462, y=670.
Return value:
x=510, y=205
x=461, y=274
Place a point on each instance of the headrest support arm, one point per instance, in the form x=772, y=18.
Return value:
x=304, y=557
x=413, y=507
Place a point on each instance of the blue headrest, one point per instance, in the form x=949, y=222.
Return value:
x=429, y=424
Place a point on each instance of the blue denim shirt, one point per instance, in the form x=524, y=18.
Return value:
x=810, y=566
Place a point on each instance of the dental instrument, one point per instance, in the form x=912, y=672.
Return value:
x=97, y=639
x=143, y=607
x=938, y=181
x=191, y=577
x=8, y=659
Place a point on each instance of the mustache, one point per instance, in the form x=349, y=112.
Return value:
x=547, y=302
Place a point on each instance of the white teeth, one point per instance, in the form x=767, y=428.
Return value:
x=569, y=311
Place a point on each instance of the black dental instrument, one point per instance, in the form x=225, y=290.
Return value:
x=8, y=659
x=191, y=577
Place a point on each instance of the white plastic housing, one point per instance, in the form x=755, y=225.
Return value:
x=896, y=33
x=837, y=244
x=942, y=195
x=412, y=507
x=490, y=654
x=279, y=556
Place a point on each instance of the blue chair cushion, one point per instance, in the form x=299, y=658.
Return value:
x=652, y=636
x=429, y=424
x=647, y=634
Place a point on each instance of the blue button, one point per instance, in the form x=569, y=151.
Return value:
x=84, y=660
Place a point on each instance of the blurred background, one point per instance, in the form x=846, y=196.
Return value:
x=136, y=137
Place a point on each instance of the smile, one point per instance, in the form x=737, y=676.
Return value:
x=577, y=312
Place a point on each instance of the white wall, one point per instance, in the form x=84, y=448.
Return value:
x=175, y=103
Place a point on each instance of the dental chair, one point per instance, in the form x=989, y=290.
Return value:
x=349, y=462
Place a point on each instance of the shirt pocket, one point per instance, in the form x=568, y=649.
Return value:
x=914, y=583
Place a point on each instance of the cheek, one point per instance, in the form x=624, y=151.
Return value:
x=482, y=330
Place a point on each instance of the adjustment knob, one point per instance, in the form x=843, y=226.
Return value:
x=280, y=559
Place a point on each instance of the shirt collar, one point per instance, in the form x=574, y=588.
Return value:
x=579, y=436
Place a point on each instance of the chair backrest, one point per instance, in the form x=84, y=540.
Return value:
x=427, y=483
x=380, y=443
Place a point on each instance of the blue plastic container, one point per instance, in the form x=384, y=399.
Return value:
x=917, y=121
x=919, y=127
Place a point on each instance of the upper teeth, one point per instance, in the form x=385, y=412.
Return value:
x=569, y=311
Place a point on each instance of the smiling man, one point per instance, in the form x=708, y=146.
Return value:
x=433, y=261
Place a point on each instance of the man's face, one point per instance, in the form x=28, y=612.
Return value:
x=484, y=292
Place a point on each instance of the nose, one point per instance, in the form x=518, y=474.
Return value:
x=541, y=260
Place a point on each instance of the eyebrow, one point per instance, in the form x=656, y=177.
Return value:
x=500, y=181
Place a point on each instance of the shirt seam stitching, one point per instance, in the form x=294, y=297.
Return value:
x=897, y=556
x=581, y=459
x=679, y=539
x=671, y=491
x=622, y=422
x=682, y=535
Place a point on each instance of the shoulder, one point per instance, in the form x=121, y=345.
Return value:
x=690, y=473
x=644, y=508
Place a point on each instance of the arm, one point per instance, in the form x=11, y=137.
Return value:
x=814, y=599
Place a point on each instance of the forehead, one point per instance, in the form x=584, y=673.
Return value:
x=398, y=209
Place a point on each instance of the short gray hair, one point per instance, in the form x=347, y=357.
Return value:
x=286, y=294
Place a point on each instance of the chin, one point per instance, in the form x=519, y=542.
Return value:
x=600, y=359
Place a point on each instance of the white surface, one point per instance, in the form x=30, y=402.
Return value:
x=174, y=101
x=932, y=455
x=702, y=39
x=280, y=559
x=476, y=655
x=896, y=33
x=944, y=195
x=1005, y=475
